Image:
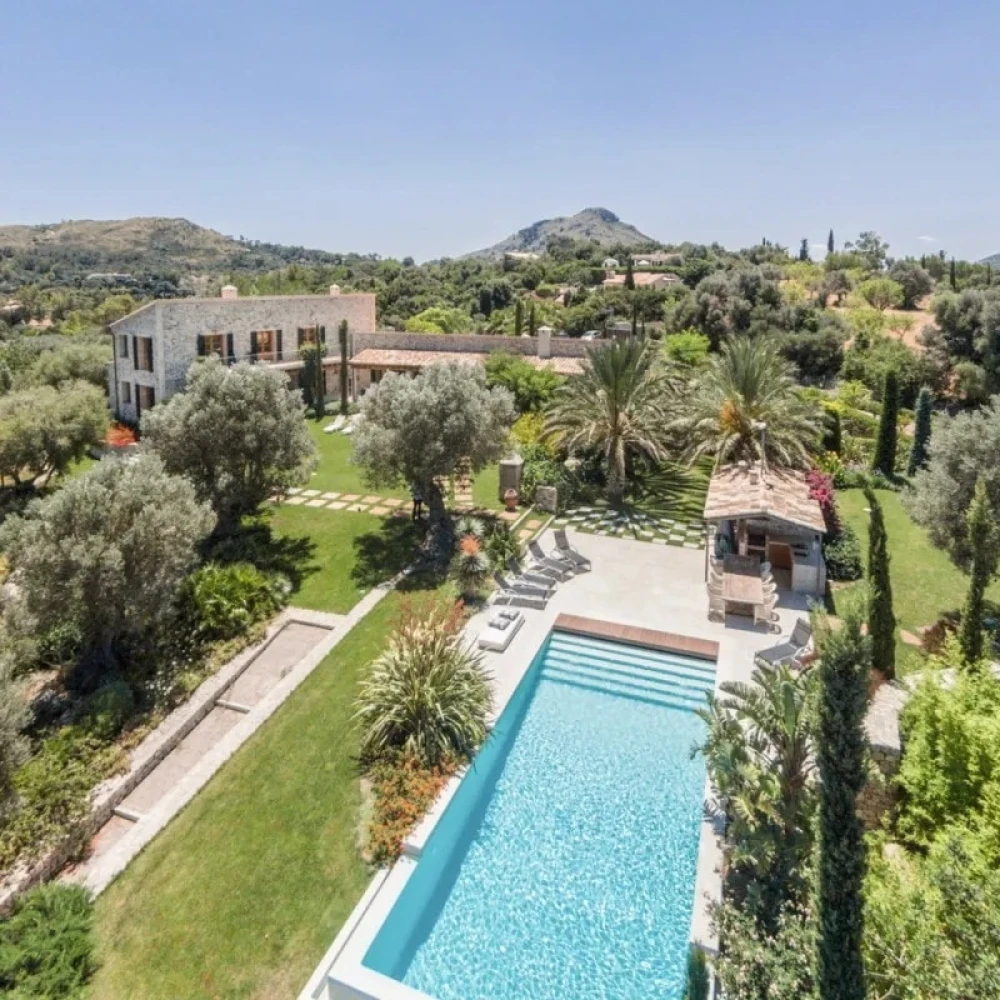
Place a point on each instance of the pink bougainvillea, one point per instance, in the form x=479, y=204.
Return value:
x=821, y=490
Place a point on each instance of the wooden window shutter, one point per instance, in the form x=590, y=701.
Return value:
x=253, y=346
x=151, y=365
x=230, y=353
x=201, y=345
x=124, y=343
x=135, y=352
x=277, y=345
x=322, y=334
x=301, y=335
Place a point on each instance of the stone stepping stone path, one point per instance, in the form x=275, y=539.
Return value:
x=637, y=525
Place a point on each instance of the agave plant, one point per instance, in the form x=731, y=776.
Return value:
x=471, y=566
x=427, y=696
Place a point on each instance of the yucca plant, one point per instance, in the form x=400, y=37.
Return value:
x=470, y=567
x=426, y=696
x=469, y=525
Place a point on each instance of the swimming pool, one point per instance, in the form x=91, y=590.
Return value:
x=564, y=865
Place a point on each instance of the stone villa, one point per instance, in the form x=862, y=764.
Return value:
x=156, y=345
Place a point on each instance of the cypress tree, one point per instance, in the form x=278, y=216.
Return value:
x=531, y=320
x=829, y=243
x=804, y=249
x=629, y=276
x=921, y=432
x=518, y=318
x=844, y=664
x=983, y=545
x=635, y=319
x=881, y=619
x=342, y=336
x=885, y=447
x=6, y=378
x=833, y=439
x=989, y=275
x=923, y=261
x=951, y=275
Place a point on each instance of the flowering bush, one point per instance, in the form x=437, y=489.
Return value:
x=120, y=436
x=404, y=790
x=821, y=490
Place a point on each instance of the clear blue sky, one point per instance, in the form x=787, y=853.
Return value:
x=432, y=128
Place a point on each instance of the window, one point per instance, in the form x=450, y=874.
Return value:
x=143, y=350
x=212, y=343
x=127, y=393
x=123, y=345
x=377, y=374
x=311, y=335
x=265, y=345
x=145, y=397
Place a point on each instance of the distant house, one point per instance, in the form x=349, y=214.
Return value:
x=643, y=279
x=521, y=255
x=657, y=259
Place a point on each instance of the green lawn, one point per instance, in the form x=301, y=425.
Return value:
x=335, y=557
x=242, y=894
x=335, y=474
x=485, y=488
x=925, y=582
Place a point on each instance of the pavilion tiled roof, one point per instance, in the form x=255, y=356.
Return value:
x=372, y=357
x=736, y=491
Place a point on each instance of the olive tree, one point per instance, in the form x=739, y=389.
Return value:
x=881, y=293
x=105, y=554
x=43, y=430
x=963, y=449
x=13, y=745
x=83, y=362
x=417, y=430
x=239, y=434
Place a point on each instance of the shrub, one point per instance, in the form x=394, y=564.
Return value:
x=528, y=429
x=46, y=946
x=542, y=469
x=698, y=983
x=53, y=791
x=501, y=544
x=108, y=709
x=404, y=789
x=224, y=600
x=426, y=695
x=843, y=555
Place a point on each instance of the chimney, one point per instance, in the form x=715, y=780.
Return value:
x=545, y=341
x=754, y=474
x=230, y=292
x=335, y=289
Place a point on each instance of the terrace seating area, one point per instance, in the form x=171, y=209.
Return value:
x=742, y=585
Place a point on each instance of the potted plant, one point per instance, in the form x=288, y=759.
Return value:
x=510, y=499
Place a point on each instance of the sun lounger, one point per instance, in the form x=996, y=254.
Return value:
x=521, y=585
x=336, y=425
x=521, y=598
x=557, y=564
x=564, y=548
x=533, y=574
x=500, y=631
x=791, y=650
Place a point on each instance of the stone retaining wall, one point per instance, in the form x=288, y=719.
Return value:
x=143, y=759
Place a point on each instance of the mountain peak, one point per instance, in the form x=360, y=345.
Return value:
x=598, y=225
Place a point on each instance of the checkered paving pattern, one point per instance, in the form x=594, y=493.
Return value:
x=655, y=528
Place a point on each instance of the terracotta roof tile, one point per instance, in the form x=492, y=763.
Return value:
x=739, y=491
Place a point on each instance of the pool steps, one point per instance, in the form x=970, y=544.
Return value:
x=647, y=675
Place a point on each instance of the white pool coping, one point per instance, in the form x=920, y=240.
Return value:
x=341, y=974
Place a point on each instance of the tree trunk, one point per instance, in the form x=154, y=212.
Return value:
x=440, y=541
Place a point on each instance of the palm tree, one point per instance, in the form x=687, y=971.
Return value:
x=618, y=405
x=759, y=752
x=744, y=405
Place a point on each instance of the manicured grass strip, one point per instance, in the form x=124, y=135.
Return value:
x=925, y=583
x=485, y=487
x=339, y=555
x=243, y=893
x=335, y=474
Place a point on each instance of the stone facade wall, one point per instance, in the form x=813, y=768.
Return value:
x=175, y=325
x=562, y=347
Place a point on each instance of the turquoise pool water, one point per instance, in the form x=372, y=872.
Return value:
x=564, y=867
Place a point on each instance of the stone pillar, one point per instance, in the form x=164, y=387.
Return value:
x=510, y=474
